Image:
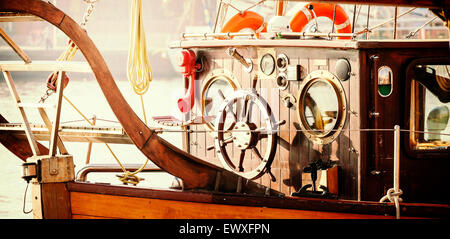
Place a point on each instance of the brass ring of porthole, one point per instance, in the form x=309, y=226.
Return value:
x=217, y=74
x=332, y=134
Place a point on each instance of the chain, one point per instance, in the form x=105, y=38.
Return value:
x=88, y=12
x=86, y=16
x=48, y=93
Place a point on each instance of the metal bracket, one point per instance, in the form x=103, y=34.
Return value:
x=246, y=63
x=53, y=166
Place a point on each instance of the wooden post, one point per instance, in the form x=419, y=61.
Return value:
x=14, y=46
x=88, y=155
x=55, y=128
x=26, y=124
x=395, y=22
x=48, y=123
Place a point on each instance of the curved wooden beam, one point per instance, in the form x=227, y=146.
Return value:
x=19, y=147
x=194, y=172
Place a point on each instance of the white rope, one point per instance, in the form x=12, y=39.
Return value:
x=394, y=197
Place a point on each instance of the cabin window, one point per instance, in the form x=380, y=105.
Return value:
x=430, y=107
x=322, y=107
x=385, y=81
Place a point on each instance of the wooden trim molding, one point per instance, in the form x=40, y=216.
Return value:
x=363, y=208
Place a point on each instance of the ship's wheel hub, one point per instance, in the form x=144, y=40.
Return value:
x=242, y=135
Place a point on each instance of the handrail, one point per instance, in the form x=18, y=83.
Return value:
x=164, y=130
x=113, y=168
x=229, y=35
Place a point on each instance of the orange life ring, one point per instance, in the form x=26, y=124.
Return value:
x=304, y=15
x=248, y=19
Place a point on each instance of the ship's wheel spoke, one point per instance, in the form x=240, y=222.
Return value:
x=261, y=133
x=255, y=152
x=244, y=110
x=248, y=114
x=229, y=110
x=241, y=160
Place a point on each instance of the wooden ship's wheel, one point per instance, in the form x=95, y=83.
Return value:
x=235, y=124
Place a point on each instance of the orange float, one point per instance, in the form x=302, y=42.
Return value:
x=247, y=19
x=305, y=15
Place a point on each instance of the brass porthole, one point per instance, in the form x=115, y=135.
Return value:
x=321, y=107
x=216, y=87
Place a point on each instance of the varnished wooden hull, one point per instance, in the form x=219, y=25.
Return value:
x=86, y=200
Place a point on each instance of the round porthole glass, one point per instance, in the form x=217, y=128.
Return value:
x=384, y=81
x=213, y=95
x=322, y=107
x=217, y=86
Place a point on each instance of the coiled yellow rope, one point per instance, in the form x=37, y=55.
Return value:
x=139, y=75
x=139, y=70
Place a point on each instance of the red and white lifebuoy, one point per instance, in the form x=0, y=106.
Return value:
x=304, y=15
x=247, y=19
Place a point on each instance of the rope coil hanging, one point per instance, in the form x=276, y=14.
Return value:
x=139, y=70
x=139, y=73
x=139, y=87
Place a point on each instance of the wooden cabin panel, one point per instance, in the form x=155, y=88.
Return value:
x=366, y=149
x=230, y=64
x=351, y=149
x=300, y=146
x=247, y=83
x=340, y=148
x=333, y=148
x=283, y=146
x=265, y=92
x=421, y=177
x=294, y=151
x=273, y=99
x=292, y=171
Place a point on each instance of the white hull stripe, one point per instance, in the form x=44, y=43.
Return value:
x=343, y=25
x=307, y=13
x=263, y=24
